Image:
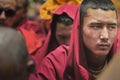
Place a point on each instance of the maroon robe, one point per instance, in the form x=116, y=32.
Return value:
x=34, y=26
x=69, y=63
x=31, y=39
x=51, y=42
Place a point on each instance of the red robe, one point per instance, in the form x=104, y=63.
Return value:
x=51, y=42
x=33, y=34
x=32, y=41
x=34, y=26
x=69, y=63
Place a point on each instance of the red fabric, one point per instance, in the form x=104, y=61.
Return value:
x=32, y=41
x=117, y=42
x=69, y=63
x=51, y=42
x=34, y=26
x=33, y=34
x=53, y=65
x=32, y=77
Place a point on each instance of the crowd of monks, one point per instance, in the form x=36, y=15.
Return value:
x=77, y=42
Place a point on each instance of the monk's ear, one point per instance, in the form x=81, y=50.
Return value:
x=30, y=65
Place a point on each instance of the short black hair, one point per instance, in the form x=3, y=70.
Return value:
x=64, y=19
x=95, y=4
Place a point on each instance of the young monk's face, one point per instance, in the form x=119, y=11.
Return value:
x=99, y=30
x=63, y=33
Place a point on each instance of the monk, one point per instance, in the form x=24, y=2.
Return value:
x=15, y=63
x=60, y=29
x=13, y=13
x=93, y=44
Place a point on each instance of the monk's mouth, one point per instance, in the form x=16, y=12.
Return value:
x=104, y=46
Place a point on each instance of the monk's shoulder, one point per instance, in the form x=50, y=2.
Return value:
x=58, y=56
x=54, y=64
x=61, y=51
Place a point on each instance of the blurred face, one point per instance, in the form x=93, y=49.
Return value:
x=21, y=13
x=9, y=7
x=63, y=33
x=99, y=30
x=7, y=12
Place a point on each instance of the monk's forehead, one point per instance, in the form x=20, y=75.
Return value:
x=8, y=2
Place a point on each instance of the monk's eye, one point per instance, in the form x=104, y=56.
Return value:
x=96, y=26
x=111, y=27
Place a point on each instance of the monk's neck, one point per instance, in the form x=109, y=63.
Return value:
x=95, y=62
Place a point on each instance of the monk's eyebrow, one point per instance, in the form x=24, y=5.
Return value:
x=114, y=24
x=95, y=23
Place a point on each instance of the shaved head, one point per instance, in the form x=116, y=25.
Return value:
x=13, y=55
